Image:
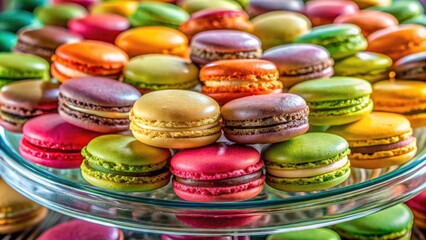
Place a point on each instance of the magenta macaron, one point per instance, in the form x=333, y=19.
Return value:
x=84, y=3
x=101, y=27
x=325, y=11
x=51, y=142
x=217, y=173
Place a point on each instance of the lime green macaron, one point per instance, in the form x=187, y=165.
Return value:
x=402, y=10
x=309, y=234
x=122, y=163
x=308, y=162
x=370, y=66
x=335, y=100
x=192, y=6
x=158, y=14
x=16, y=66
x=59, y=14
x=158, y=72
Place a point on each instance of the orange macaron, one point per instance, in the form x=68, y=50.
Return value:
x=226, y=80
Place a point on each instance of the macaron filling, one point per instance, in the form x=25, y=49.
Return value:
x=159, y=86
x=227, y=182
x=218, y=55
x=83, y=69
x=401, y=235
x=55, y=153
x=342, y=42
x=25, y=47
x=317, y=69
x=339, y=107
x=405, y=146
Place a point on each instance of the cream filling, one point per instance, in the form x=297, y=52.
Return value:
x=300, y=173
x=226, y=83
x=70, y=72
x=209, y=126
x=99, y=113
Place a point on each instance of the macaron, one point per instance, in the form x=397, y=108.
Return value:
x=43, y=41
x=411, y=67
x=153, y=39
x=341, y=40
x=7, y=41
x=403, y=97
x=299, y=62
x=377, y=145
x=88, y=58
x=309, y=234
x=265, y=118
x=13, y=20
x=368, y=21
x=82, y=230
x=392, y=223
x=370, y=66
x=419, y=20
x=136, y=167
x=27, y=5
x=258, y=7
x=335, y=100
x=101, y=27
x=124, y=8
x=216, y=19
x=85, y=3
x=51, y=142
x=17, y=213
x=398, y=41
x=309, y=162
x=418, y=207
x=184, y=237
x=280, y=27
x=23, y=100
x=147, y=73
x=175, y=119
x=97, y=104
x=227, y=80
x=192, y=6
x=402, y=10
x=216, y=45
x=59, y=14
x=158, y=14
x=372, y=3
x=325, y=11
x=222, y=173
x=16, y=66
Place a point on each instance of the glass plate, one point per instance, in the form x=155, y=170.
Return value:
x=161, y=211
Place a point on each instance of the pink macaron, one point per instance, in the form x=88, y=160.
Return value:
x=217, y=173
x=323, y=12
x=101, y=27
x=51, y=142
x=84, y=3
x=418, y=206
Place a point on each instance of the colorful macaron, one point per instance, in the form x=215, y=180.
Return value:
x=17, y=66
x=7, y=41
x=392, y=223
x=14, y=20
x=265, y=118
x=44, y=41
x=147, y=73
x=418, y=207
x=136, y=167
x=27, y=5
x=84, y=3
x=176, y=119
x=97, y=104
x=51, y=142
x=122, y=8
x=221, y=173
x=309, y=234
x=411, y=67
x=377, y=145
x=59, y=14
x=402, y=10
x=370, y=66
x=82, y=230
x=101, y=27
x=227, y=80
x=151, y=40
x=341, y=40
x=403, y=97
x=216, y=45
x=300, y=62
x=221, y=18
x=335, y=100
x=258, y=7
x=88, y=58
x=23, y=100
x=17, y=213
x=372, y=3
x=398, y=41
x=192, y=6
x=309, y=162
x=280, y=27
x=325, y=11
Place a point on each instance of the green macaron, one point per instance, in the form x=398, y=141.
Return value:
x=59, y=14
x=158, y=14
x=13, y=20
x=309, y=234
x=341, y=40
x=7, y=41
x=308, y=162
x=366, y=65
x=156, y=72
x=402, y=10
x=16, y=66
x=122, y=163
x=192, y=6
x=335, y=100
x=392, y=223
x=27, y=5
x=420, y=20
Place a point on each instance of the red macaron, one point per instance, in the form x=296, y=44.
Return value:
x=217, y=173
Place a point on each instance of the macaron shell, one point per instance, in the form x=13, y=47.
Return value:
x=192, y=6
x=23, y=66
x=411, y=67
x=122, y=8
x=325, y=11
x=384, y=162
x=59, y=14
x=7, y=41
x=310, y=234
x=352, y=115
x=31, y=221
x=258, y=7
x=158, y=14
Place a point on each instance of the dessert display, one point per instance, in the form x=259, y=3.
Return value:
x=223, y=117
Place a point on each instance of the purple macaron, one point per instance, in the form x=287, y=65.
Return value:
x=411, y=67
x=97, y=104
x=216, y=45
x=81, y=230
x=300, y=62
x=258, y=7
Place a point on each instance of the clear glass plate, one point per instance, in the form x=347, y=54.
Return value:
x=161, y=211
